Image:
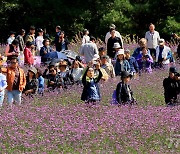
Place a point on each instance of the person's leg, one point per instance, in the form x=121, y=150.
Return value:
x=10, y=97
x=1, y=100
x=17, y=96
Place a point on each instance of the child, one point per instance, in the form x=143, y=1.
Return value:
x=3, y=85
x=40, y=82
x=124, y=94
x=91, y=93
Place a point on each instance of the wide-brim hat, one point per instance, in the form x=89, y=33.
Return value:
x=120, y=52
x=33, y=69
x=161, y=41
x=125, y=74
x=116, y=46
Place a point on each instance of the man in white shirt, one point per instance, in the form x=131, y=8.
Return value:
x=152, y=37
x=117, y=34
x=88, y=50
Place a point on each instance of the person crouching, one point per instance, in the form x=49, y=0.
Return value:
x=91, y=92
x=124, y=94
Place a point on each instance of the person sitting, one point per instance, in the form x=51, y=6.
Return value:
x=40, y=82
x=31, y=82
x=62, y=44
x=77, y=71
x=52, y=79
x=134, y=67
x=107, y=66
x=142, y=43
x=44, y=50
x=172, y=87
x=12, y=50
x=144, y=61
x=124, y=94
x=64, y=76
x=163, y=54
x=121, y=63
x=97, y=66
x=28, y=56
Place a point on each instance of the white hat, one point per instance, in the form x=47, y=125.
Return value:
x=120, y=52
x=116, y=46
x=161, y=41
x=96, y=56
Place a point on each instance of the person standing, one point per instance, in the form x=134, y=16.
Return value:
x=20, y=38
x=16, y=80
x=58, y=33
x=117, y=34
x=86, y=37
x=39, y=40
x=88, y=50
x=3, y=85
x=11, y=37
x=28, y=57
x=152, y=37
x=110, y=44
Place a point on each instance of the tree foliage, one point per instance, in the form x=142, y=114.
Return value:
x=130, y=16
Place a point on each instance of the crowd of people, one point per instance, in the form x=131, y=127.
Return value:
x=88, y=68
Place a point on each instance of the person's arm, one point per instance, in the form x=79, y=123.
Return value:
x=24, y=80
x=38, y=44
x=84, y=76
x=118, y=93
x=7, y=51
x=112, y=72
x=4, y=83
x=136, y=66
x=99, y=76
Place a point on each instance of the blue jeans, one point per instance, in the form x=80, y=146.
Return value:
x=14, y=95
x=1, y=100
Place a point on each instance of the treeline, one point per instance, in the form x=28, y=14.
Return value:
x=130, y=16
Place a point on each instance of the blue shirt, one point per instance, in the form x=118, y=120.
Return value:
x=41, y=82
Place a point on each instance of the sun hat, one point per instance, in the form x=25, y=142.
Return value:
x=120, y=52
x=161, y=41
x=33, y=69
x=116, y=45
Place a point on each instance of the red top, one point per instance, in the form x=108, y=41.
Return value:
x=28, y=57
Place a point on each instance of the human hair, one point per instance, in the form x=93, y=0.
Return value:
x=92, y=38
x=22, y=31
x=32, y=28
x=151, y=24
x=28, y=44
x=58, y=27
x=15, y=42
x=85, y=31
x=44, y=41
x=14, y=58
x=111, y=29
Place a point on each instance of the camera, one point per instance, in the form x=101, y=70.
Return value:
x=146, y=56
x=177, y=74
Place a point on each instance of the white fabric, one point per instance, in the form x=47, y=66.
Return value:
x=85, y=39
x=77, y=73
x=39, y=42
x=10, y=39
x=164, y=54
x=152, y=39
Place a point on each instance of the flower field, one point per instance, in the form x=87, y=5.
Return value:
x=61, y=123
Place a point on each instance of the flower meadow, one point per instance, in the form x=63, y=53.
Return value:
x=59, y=122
